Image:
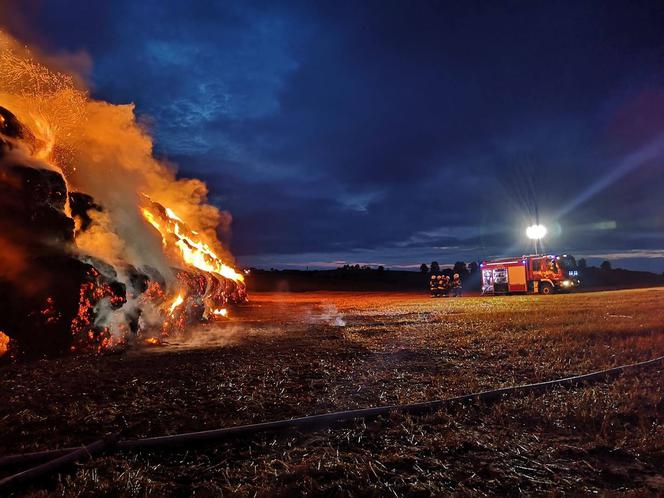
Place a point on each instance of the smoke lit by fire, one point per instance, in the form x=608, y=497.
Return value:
x=102, y=240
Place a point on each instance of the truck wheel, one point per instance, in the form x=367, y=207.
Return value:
x=545, y=288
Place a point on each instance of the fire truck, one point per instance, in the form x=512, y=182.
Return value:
x=534, y=274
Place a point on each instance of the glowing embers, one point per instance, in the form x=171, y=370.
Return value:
x=88, y=336
x=49, y=312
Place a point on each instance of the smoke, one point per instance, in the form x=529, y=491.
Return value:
x=78, y=176
x=325, y=313
x=217, y=335
x=102, y=150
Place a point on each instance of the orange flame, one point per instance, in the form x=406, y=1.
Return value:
x=45, y=132
x=194, y=252
x=176, y=302
x=220, y=312
x=4, y=343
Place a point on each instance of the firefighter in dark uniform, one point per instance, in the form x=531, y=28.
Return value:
x=433, y=286
x=456, y=285
x=441, y=285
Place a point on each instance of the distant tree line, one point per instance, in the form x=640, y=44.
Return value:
x=359, y=277
x=582, y=265
x=605, y=275
x=358, y=268
x=464, y=270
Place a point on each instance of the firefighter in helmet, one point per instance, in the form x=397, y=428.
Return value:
x=441, y=285
x=433, y=286
x=456, y=285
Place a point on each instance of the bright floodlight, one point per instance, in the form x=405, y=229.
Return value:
x=536, y=232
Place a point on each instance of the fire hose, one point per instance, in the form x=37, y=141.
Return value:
x=64, y=456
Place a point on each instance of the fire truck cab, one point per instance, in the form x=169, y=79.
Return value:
x=534, y=274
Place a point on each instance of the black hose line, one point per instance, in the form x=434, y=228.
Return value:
x=57, y=463
x=315, y=421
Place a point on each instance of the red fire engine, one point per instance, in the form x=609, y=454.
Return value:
x=541, y=274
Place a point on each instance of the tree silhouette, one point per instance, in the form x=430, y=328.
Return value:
x=424, y=268
x=473, y=267
x=435, y=267
x=460, y=268
x=581, y=264
x=606, y=265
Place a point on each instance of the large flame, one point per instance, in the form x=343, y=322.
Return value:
x=187, y=249
x=194, y=252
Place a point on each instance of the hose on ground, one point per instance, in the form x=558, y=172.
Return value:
x=57, y=463
x=67, y=455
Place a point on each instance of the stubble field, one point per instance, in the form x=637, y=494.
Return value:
x=289, y=355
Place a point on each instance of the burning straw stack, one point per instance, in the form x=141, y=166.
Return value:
x=54, y=299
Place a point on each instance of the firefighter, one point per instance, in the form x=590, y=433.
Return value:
x=456, y=285
x=441, y=285
x=445, y=285
x=433, y=286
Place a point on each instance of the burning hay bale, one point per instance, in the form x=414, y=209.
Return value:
x=46, y=293
x=90, y=260
x=39, y=281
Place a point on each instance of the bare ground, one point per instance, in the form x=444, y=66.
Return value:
x=288, y=355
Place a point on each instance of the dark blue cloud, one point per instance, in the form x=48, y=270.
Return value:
x=393, y=132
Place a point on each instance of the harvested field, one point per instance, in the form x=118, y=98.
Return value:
x=289, y=355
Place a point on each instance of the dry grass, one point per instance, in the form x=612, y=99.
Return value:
x=291, y=355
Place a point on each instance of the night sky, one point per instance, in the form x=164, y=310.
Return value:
x=392, y=132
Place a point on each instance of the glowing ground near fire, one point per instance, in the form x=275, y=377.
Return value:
x=288, y=355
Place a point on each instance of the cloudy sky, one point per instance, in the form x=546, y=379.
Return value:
x=393, y=132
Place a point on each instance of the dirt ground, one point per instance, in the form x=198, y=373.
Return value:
x=289, y=355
